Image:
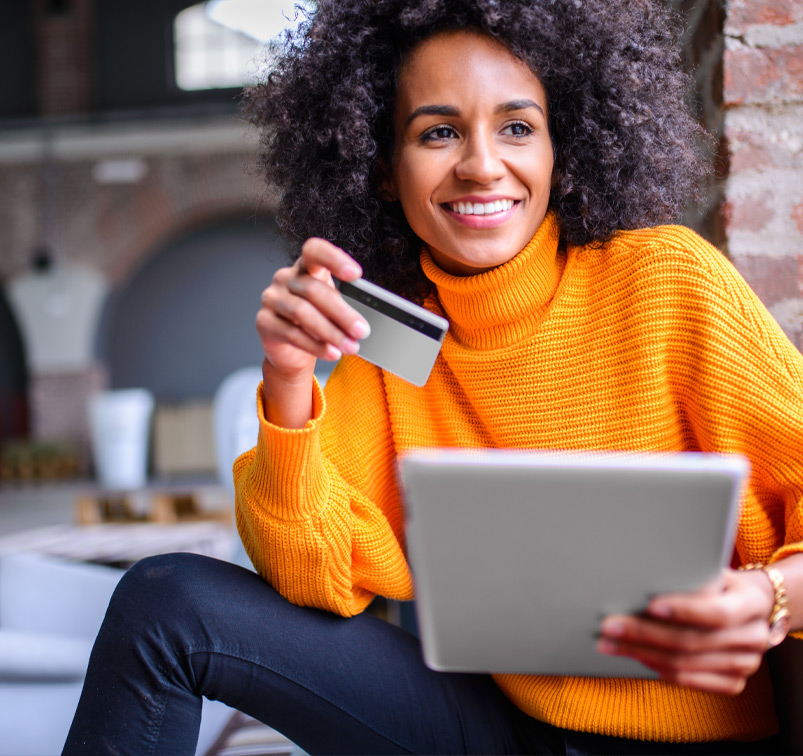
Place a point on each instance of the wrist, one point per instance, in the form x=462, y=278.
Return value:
x=287, y=398
x=774, y=586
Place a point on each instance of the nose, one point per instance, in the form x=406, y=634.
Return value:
x=480, y=160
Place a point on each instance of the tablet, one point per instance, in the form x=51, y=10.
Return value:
x=518, y=555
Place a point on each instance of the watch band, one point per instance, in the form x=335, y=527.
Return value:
x=780, y=619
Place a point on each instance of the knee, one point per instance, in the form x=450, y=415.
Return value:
x=159, y=591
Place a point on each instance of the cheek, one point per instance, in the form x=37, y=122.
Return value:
x=415, y=192
x=541, y=171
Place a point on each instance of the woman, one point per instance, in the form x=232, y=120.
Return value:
x=506, y=165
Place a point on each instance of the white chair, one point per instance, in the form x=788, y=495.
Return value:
x=234, y=420
x=234, y=417
x=50, y=612
x=236, y=429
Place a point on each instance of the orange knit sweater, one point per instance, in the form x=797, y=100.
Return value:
x=651, y=342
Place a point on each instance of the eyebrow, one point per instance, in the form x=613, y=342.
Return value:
x=450, y=110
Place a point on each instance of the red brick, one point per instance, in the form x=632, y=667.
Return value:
x=749, y=214
x=64, y=58
x=774, y=279
x=758, y=151
x=800, y=278
x=745, y=13
x=763, y=75
x=749, y=152
x=797, y=217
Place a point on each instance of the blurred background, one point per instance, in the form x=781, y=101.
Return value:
x=135, y=232
x=136, y=235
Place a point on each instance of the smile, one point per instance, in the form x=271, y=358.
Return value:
x=480, y=208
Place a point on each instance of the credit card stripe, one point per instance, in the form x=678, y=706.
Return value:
x=406, y=318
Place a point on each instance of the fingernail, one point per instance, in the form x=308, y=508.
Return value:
x=351, y=271
x=664, y=611
x=333, y=353
x=361, y=329
x=350, y=346
x=606, y=646
x=613, y=627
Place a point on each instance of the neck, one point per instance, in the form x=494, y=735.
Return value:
x=501, y=306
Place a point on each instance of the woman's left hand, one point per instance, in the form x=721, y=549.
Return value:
x=713, y=639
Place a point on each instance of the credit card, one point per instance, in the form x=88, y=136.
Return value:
x=405, y=339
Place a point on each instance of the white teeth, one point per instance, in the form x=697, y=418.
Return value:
x=480, y=208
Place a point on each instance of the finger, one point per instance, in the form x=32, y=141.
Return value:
x=280, y=332
x=320, y=258
x=675, y=638
x=331, y=304
x=710, y=682
x=742, y=599
x=293, y=315
x=735, y=663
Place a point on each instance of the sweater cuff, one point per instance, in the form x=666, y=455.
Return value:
x=288, y=472
x=787, y=550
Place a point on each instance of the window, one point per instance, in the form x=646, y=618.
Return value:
x=221, y=43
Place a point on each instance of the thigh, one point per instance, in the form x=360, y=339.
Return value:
x=330, y=684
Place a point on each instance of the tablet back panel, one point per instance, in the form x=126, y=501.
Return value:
x=517, y=556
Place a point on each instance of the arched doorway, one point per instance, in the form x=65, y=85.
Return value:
x=185, y=319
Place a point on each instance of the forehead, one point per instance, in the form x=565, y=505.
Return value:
x=464, y=65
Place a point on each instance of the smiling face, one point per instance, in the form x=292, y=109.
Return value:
x=472, y=158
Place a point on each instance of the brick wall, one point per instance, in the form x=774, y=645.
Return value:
x=762, y=103
x=748, y=55
x=64, y=51
x=189, y=174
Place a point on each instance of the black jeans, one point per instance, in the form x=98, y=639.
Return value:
x=182, y=626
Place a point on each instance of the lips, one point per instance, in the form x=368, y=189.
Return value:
x=480, y=208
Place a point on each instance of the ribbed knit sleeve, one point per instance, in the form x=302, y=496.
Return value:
x=317, y=508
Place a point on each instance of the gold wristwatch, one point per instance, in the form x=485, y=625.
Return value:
x=780, y=620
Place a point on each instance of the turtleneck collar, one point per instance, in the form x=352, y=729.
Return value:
x=501, y=306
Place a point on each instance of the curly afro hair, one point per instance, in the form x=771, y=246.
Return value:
x=626, y=149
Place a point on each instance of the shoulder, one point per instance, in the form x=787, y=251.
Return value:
x=672, y=273
x=671, y=257
x=670, y=243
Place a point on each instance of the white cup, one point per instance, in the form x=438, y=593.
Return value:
x=119, y=423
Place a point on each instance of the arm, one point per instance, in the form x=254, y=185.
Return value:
x=317, y=505
x=303, y=318
x=741, y=390
x=318, y=508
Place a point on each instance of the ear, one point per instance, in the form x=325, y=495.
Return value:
x=385, y=185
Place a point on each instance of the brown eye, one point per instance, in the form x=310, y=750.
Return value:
x=518, y=129
x=438, y=133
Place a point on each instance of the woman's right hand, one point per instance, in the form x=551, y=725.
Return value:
x=302, y=318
